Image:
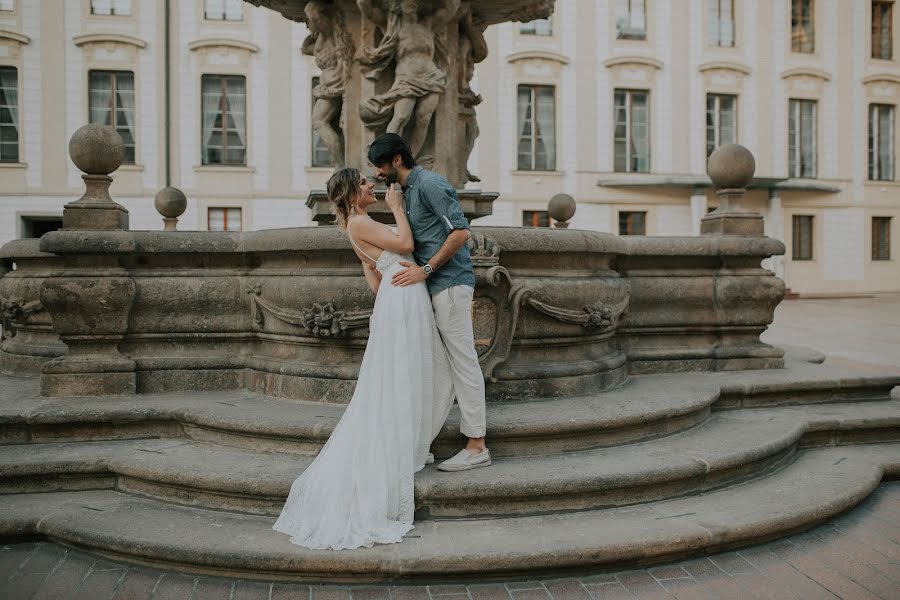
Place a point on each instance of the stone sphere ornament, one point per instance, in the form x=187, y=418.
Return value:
x=731, y=167
x=170, y=202
x=561, y=207
x=97, y=149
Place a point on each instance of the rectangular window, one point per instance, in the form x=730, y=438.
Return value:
x=802, y=138
x=321, y=157
x=9, y=115
x=121, y=8
x=803, y=26
x=802, y=237
x=224, y=219
x=7, y=5
x=224, y=127
x=882, y=29
x=881, y=238
x=537, y=128
x=721, y=121
x=537, y=27
x=881, y=142
x=223, y=10
x=631, y=134
x=112, y=103
x=535, y=218
x=632, y=223
x=721, y=23
x=631, y=19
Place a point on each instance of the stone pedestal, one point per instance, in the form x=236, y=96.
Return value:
x=731, y=168
x=97, y=151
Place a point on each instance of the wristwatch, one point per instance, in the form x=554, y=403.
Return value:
x=428, y=269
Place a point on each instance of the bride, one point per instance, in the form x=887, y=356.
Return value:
x=359, y=489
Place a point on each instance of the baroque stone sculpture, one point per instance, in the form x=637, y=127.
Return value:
x=331, y=45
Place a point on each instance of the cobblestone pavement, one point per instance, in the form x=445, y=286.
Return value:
x=855, y=556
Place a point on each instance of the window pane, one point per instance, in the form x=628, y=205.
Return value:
x=881, y=238
x=121, y=7
x=9, y=115
x=216, y=219
x=803, y=26
x=537, y=27
x=620, y=132
x=234, y=10
x=233, y=219
x=524, y=112
x=632, y=223
x=535, y=218
x=882, y=30
x=101, y=7
x=802, y=232
x=631, y=21
x=7, y=5
x=223, y=129
x=640, y=132
x=545, y=134
x=111, y=102
x=721, y=22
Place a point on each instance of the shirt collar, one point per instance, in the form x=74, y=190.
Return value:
x=412, y=177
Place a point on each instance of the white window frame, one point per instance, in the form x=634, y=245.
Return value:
x=625, y=10
x=876, y=168
x=115, y=8
x=225, y=10
x=18, y=120
x=717, y=120
x=534, y=129
x=225, y=210
x=796, y=153
x=716, y=21
x=629, y=93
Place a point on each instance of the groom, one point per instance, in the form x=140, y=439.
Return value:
x=440, y=232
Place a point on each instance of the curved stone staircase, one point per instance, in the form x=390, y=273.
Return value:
x=664, y=467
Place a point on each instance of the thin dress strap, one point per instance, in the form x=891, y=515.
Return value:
x=364, y=253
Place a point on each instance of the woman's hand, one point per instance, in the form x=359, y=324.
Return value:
x=394, y=197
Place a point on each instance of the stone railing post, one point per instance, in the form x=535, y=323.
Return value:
x=561, y=209
x=90, y=298
x=171, y=203
x=731, y=169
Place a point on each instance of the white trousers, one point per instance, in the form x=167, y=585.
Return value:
x=453, y=316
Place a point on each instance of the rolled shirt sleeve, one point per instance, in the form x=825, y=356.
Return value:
x=442, y=200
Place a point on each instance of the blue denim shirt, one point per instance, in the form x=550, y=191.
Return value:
x=433, y=210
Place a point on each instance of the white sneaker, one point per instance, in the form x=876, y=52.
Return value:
x=429, y=459
x=465, y=460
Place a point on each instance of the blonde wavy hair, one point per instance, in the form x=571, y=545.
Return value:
x=343, y=190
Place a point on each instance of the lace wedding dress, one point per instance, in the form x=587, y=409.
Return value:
x=359, y=489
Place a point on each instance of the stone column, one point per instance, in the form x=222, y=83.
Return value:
x=698, y=209
x=774, y=227
x=90, y=299
x=731, y=169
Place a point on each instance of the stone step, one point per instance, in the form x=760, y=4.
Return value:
x=818, y=485
x=729, y=447
x=642, y=408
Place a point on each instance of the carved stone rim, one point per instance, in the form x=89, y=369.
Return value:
x=16, y=37
x=213, y=42
x=537, y=55
x=102, y=38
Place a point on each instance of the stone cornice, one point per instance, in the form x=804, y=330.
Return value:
x=537, y=55
x=16, y=37
x=889, y=77
x=806, y=72
x=219, y=42
x=646, y=61
x=103, y=38
x=725, y=65
x=637, y=180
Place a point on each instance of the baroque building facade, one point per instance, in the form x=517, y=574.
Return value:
x=615, y=102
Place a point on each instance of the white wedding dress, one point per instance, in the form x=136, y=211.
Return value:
x=359, y=489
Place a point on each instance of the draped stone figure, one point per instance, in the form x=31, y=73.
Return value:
x=409, y=28
x=472, y=49
x=331, y=45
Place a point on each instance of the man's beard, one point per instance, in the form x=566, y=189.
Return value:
x=391, y=177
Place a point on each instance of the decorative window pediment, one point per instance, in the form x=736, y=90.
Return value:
x=220, y=52
x=633, y=70
x=805, y=81
x=11, y=44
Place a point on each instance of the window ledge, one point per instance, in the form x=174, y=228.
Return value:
x=13, y=165
x=519, y=173
x=131, y=168
x=223, y=169
x=320, y=169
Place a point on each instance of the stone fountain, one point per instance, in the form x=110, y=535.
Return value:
x=161, y=390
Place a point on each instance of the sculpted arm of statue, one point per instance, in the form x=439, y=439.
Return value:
x=373, y=12
x=476, y=37
x=446, y=12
